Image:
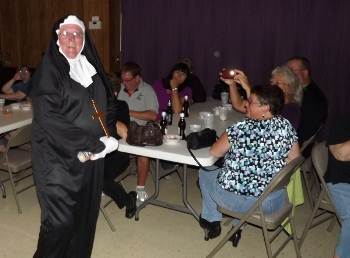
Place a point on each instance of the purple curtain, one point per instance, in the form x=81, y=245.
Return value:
x=253, y=35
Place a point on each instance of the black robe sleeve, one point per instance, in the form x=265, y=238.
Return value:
x=61, y=133
x=116, y=162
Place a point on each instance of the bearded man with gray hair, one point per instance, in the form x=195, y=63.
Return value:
x=314, y=106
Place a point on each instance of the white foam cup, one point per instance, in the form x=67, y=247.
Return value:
x=224, y=98
x=223, y=113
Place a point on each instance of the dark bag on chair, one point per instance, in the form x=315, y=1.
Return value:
x=144, y=135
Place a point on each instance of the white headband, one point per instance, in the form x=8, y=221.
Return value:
x=72, y=19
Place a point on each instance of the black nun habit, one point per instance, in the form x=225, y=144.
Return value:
x=69, y=191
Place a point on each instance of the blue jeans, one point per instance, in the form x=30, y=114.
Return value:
x=214, y=195
x=340, y=194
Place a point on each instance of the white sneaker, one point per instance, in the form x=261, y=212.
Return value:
x=141, y=195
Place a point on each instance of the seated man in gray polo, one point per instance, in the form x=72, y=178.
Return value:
x=143, y=107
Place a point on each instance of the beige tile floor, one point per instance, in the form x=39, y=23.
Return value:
x=159, y=232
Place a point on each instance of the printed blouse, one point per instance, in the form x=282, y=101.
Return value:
x=259, y=149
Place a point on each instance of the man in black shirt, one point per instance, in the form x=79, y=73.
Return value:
x=314, y=106
x=338, y=179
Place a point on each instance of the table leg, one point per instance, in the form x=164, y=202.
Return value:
x=184, y=195
x=187, y=208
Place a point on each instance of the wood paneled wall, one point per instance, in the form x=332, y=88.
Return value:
x=26, y=28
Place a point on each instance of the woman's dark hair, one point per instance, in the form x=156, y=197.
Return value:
x=270, y=95
x=178, y=67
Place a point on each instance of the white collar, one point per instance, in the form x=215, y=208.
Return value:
x=81, y=70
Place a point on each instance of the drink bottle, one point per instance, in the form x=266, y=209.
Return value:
x=182, y=126
x=186, y=107
x=163, y=123
x=169, y=113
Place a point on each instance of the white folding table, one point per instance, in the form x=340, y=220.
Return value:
x=14, y=119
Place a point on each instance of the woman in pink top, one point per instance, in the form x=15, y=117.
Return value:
x=173, y=87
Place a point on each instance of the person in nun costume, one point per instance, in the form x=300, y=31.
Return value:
x=69, y=191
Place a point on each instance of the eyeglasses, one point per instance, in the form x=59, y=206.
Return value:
x=298, y=70
x=128, y=79
x=254, y=103
x=67, y=35
x=278, y=83
x=23, y=70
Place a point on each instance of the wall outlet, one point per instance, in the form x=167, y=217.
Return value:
x=95, y=23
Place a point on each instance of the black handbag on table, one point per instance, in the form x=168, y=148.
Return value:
x=202, y=139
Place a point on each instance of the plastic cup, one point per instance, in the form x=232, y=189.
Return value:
x=6, y=110
x=195, y=127
x=2, y=103
x=203, y=114
x=216, y=111
x=208, y=120
x=228, y=107
x=224, y=98
x=223, y=113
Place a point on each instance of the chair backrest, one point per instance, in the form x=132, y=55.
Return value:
x=282, y=178
x=312, y=139
x=319, y=157
x=20, y=136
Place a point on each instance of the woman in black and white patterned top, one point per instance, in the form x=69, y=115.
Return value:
x=255, y=150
